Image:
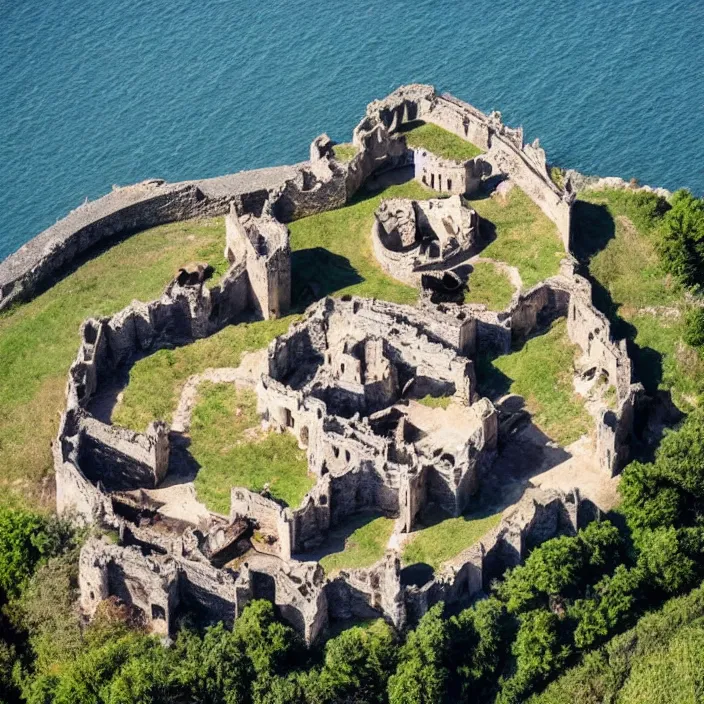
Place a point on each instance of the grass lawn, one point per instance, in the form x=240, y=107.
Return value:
x=363, y=547
x=332, y=251
x=39, y=339
x=156, y=381
x=442, y=541
x=345, y=152
x=228, y=444
x=490, y=286
x=439, y=141
x=525, y=237
x=435, y=401
x=646, y=306
x=541, y=372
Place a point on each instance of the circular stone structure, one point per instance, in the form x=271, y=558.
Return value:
x=414, y=237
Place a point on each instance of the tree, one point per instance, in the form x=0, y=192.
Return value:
x=478, y=638
x=561, y=567
x=682, y=244
x=358, y=664
x=649, y=499
x=540, y=651
x=266, y=642
x=609, y=608
x=421, y=675
x=26, y=539
x=665, y=560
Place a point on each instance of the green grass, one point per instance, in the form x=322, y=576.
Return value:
x=557, y=176
x=424, y=135
x=435, y=401
x=345, y=152
x=155, y=382
x=541, y=371
x=363, y=547
x=232, y=450
x=332, y=251
x=39, y=340
x=489, y=286
x=442, y=541
x=616, y=238
x=525, y=237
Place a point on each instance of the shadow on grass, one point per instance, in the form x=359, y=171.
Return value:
x=335, y=542
x=318, y=272
x=593, y=229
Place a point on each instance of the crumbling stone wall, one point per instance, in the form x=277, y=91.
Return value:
x=364, y=452
x=410, y=237
x=262, y=244
x=123, y=212
x=569, y=295
x=446, y=175
x=537, y=517
x=504, y=150
x=115, y=458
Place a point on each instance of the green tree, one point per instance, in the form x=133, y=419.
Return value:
x=682, y=244
x=358, y=664
x=478, y=638
x=26, y=539
x=666, y=560
x=421, y=675
x=610, y=607
x=540, y=651
x=561, y=567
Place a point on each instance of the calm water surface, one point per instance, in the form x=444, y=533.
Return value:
x=114, y=91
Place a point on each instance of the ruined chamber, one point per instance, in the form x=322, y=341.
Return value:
x=413, y=237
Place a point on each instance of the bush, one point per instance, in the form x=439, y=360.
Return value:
x=694, y=328
x=682, y=244
x=26, y=540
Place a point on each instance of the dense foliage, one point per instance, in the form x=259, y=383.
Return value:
x=682, y=244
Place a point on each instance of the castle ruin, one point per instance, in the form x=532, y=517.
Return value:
x=347, y=381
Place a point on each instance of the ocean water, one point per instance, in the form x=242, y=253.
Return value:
x=114, y=91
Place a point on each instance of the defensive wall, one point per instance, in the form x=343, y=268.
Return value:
x=294, y=191
x=345, y=381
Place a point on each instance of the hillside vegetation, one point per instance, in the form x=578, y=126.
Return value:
x=39, y=340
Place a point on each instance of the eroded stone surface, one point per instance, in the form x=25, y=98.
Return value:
x=347, y=381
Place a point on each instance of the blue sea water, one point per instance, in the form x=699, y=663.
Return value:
x=114, y=91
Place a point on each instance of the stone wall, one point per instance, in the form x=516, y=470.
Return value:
x=446, y=175
x=569, y=295
x=505, y=153
x=537, y=517
x=93, y=453
x=123, y=212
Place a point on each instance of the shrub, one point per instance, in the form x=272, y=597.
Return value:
x=682, y=244
x=694, y=328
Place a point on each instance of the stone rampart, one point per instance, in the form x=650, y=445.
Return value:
x=538, y=516
x=503, y=146
x=125, y=211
